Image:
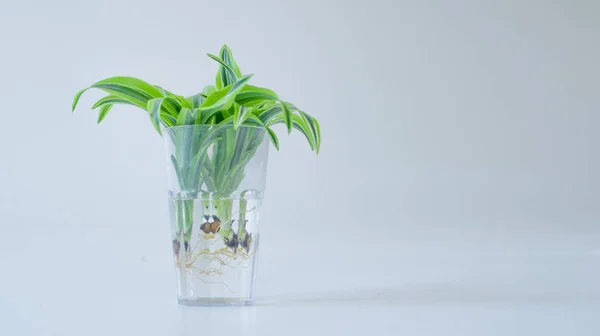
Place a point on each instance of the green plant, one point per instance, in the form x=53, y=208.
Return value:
x=223, y=107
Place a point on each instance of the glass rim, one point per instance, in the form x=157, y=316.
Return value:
x=174, y=128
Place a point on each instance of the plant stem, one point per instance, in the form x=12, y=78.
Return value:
x=184, y=217
x=242, y=219
x=224, y=209
x=188, y=224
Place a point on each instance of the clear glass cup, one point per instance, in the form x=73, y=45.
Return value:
x=216, y=180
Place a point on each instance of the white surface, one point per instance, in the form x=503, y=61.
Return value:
x=418, y=290
x=457, y=192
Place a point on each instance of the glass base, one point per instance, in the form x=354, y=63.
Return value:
x=215, y=301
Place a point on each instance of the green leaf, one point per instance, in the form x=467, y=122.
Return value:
x=180, y=100
x=181, y=118
x=265, y=105
x=253, y=120
x=226, y=113
x=135, y=97
x=241, y=114
x=222, y=99
x=76, y=99
x=169, y=105
x=197, y=116
x=253, y=95
x=299, y=124
x=314, y=128
x=218, y=81
x=130, y=83
x=241, y=138
x=185, y=117
x=226, y=72
x=273, y=138
x=136, y=91
x=163, y=91
x=168, y=119
x=208, y=90
x=318, y=134
x=227, y=56
x=236, y=117
x=104, y=111
x=182, y=144
x=229, y=141
x=287, y=116
x=172, y=105
x=153, y=108
x=226, y=121
x=195, y=101
x=270, y=114
x=178, y=172
x=201, y=152
x=196, y=142
x=111, y=100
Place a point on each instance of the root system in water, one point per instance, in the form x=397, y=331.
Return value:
x=214, y=264
x=214, y=245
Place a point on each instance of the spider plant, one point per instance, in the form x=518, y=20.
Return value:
x=222, y=108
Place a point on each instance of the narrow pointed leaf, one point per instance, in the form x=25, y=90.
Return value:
x=197, y=116
x=134, y=96
x=181, y=100
x=171, y=105
x=242, y=113
x=314, y=128
x=230, y=111
x=299, y=124
x=222, y=99
x=104, y=111
x=111, y=100
x=168, y=119
x=226, y=72
x=253, y=120
x=226, y=121
x=273, y=137
x=177, y=168
x=114, y=83
x=76, y=99
x=208, y=90
x=195, y=101
x=227, y=56
x=239, y=147
x=156, y=125
x=163, y=91
x=181, y=118
x=318, y=134
x=134, y=90
x=185, y=117
x=131, y=82
x=236, y=117
x=253, y=95
x=270, y=114
x=153, y=108
x=218, y=80
x=287, y=116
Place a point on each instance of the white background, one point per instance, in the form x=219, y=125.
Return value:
x=457, y=191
